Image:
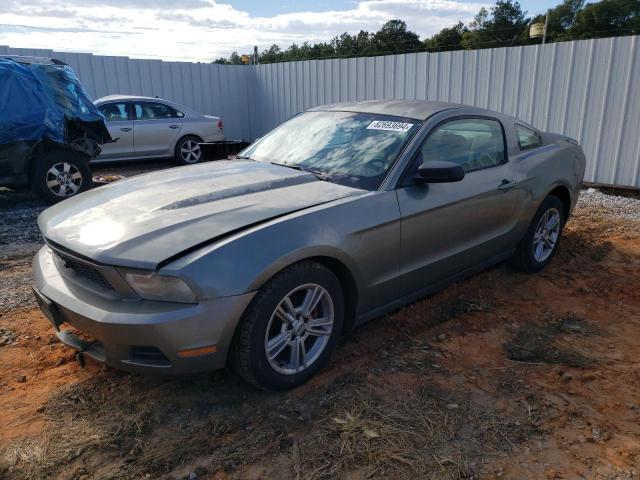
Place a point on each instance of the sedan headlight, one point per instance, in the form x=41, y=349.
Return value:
x=151, y=286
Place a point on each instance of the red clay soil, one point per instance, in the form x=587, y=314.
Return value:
x=503, y=375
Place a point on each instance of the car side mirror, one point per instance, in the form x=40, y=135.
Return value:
x=438, y=172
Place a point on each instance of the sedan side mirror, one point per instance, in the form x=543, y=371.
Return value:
x=439, y=172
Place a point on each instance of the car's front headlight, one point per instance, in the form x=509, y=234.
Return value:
x=151, y=286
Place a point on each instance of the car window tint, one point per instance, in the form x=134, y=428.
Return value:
x=114, y=111
x=473, y=143
x=527, y=138
x=153, y=111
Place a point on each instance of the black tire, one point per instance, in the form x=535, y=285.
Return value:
x=248, y=356
x=525, y=257
x=187, y=151
x=74, y=175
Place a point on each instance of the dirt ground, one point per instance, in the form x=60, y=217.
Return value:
x=503, y=375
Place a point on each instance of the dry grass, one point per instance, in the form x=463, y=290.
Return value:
x=346, y=425
x=547, y=343
x=402, y=436
x=81, y=420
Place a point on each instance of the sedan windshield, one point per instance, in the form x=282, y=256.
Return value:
x=354, y=149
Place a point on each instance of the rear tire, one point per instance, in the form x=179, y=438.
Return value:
x=540, y=243
x=188, y=152
x=291, y=327
x=58, y=175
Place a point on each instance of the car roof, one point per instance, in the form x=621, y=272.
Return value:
x=111, y=98
x=415, y=109
x=33, y=60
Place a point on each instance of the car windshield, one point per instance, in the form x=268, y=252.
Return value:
x=354, y=149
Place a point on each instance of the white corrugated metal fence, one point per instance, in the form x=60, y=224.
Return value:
x=588, y=90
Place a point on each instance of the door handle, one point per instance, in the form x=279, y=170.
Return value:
x=174, y=126
x=126, y=129
x=507, y=185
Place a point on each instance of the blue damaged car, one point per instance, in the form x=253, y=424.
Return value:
x=49, y=129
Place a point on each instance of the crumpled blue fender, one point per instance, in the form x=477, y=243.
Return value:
x=38, y=101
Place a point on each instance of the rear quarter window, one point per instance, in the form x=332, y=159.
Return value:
x=527, y=138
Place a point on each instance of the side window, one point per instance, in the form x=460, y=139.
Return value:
x=473, y=143
x=154, y=111
x=114, y=112
x=527, y=138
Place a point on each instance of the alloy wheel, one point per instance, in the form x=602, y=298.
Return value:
x=64, y=179
x=546, y=235
x=299, y=329
x=190, y=151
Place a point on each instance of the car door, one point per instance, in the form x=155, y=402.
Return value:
x=450, y=228
x=120, y=125
x=157, y=127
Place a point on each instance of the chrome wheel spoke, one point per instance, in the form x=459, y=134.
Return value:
x=294, y=360
x=538, y=251
x=319, y=327
x=303, y=352
x=277, y=344
x=284, y=316
x=311, y=300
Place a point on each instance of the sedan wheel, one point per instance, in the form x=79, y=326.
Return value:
x=299, y=329
x=189, y=151
x=291, y=327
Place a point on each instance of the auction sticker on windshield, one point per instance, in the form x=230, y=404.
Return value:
x=390, y=126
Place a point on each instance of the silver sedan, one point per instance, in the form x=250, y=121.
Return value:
x=339, y=215
x=147, y=127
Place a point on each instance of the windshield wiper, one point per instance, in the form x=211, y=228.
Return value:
x=243, y=157
x=319, y=175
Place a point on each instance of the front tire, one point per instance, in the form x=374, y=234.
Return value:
x=541, y=241
x=291, y=327
x=188, y=150
x=58, y=175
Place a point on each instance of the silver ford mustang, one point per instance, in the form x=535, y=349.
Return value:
x=340, y=214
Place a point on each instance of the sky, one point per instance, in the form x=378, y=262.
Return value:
x=201, y=30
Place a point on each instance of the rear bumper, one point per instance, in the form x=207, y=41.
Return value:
x=214, y=137
x=140, y=336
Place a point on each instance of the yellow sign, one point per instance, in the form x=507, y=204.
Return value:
x=536, y=30
x=245, y=59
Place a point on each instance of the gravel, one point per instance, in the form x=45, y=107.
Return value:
x=20, y=237
x=624, y=207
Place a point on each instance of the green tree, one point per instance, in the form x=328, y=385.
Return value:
x=447, y=38
x=607, y=18
x=561, y=19
x=234, y=59
x=394, y=37
x=271, y=55
x=505, y=24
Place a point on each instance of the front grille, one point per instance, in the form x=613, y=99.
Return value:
x=85, y=270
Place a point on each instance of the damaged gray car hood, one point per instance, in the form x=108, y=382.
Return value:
x=149, y=218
